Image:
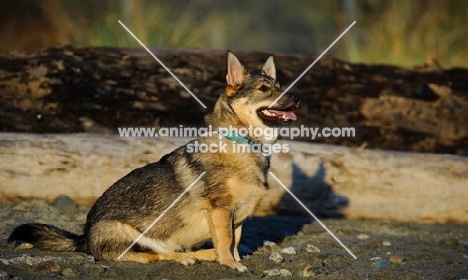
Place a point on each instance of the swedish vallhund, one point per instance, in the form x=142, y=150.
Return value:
x=213, y=209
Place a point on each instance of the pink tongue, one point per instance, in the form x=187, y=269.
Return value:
x=290, y=115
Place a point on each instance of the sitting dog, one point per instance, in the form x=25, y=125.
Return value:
x=213, y=209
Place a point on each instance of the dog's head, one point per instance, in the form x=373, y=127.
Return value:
x=249, y=96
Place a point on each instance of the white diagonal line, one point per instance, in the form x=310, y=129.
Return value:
x=162, y=64
x=160, y=216
x=313, y=216
x=310, y=66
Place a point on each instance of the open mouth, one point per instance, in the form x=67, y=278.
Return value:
x=277, y=116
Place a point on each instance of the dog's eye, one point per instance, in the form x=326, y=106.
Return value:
x=264, y=88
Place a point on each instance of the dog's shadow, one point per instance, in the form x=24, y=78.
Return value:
x=313, y=191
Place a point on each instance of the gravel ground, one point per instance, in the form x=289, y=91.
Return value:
x=274, y=247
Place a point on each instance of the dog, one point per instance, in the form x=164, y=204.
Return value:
x=212, y=210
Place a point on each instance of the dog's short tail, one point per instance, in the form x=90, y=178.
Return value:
x=49, y=238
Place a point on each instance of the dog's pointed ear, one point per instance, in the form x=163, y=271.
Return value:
x=235, y=71
x=269, y=68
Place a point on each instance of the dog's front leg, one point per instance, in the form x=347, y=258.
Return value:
x=237, y=238
x=221, y=228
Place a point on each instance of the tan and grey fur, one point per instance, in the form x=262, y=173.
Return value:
x=213, y=209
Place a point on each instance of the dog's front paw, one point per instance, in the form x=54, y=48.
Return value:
x=241, y=268
x=235, y=265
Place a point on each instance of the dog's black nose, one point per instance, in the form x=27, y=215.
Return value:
x=294, y=96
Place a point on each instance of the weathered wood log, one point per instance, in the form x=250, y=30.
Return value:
x=330, y=180
x=70, y=90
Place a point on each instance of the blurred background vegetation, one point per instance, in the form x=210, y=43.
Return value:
x=399, y=32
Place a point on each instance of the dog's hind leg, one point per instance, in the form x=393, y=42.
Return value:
x=141, y=257
x=205, y=254
x=109, y=239
x=145, y=257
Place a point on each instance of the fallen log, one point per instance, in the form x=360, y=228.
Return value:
x=330, y=180
x=96, y=90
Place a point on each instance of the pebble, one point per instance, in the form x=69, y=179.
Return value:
x=313, y=271
x=90, y=258
x=312, y=249
x=288, y=250
x=396, y=259
x=296, y=247
x=4, y=261
x=276, y=257
x=21, y=245
x=272, y=272
x=277, y=272
x=379, y=262
x=387, y=243
x=363, y=236
x=270, y=246
x=285, y=272
x=64, y=202
x=4, y=275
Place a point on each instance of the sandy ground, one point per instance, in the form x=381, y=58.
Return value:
x=384, y=250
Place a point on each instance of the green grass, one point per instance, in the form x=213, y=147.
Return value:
x=396, y=32
x=410, y=32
